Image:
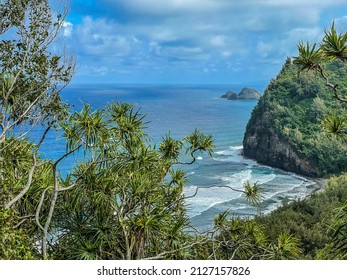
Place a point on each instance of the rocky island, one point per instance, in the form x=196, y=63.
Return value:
x=245, y=93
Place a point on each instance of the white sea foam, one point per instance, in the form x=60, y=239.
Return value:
x=229, y=159
x=231, y=151
x=206, y=198
x=263, y=178
x=199, y=158
x=236, y=147
x=274, y=188
x=226, y=153
x=233, y=155
x=244, y=175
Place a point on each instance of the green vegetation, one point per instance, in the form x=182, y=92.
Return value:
x=333, y=48
x=293, y=107
x=309, y=219
x=125, y=200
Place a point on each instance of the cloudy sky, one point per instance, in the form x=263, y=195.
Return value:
x=192, y=41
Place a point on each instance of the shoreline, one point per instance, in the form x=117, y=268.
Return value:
x=311, y=185
x=318, y=182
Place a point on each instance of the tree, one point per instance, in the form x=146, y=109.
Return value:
x=312, y=58
x=31, y=79
x=127, y=190
x=124, y=201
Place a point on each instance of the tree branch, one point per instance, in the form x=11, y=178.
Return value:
x=332, y=86
x=163, y=254
x=27, y=186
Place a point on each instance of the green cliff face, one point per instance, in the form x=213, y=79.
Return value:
x=285, y=129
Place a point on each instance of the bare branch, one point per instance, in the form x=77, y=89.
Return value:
x=39, y=207
x=212, y=186
x=27, y=186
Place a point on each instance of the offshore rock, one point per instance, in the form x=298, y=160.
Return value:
x=245, y=93
x=249, y=93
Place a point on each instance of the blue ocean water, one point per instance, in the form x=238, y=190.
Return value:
x=181, y=109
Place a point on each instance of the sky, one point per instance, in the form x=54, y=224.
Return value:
x=192, y=41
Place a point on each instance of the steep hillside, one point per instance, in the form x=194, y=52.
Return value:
x=285, y=129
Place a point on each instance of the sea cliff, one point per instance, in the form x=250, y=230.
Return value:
x=285, y=129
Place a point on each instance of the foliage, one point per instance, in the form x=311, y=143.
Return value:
x=334, y=47
x=15, y=243
x=308, y=57
x=339, y=239
x=309, y=219
x=252, y=192
x=125, y=199
x=31, y=79
x=303, y=105
x=298, y=110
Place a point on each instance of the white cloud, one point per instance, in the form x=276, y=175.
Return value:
x=341, y=24
x=264, y=48
x=154, y=48
x=285, y=45
x=67, y=29
x=226, y=53
x=185, y=53
x=100, y=37
x=304, y=34
x=218, y=41
x=171, y=35
x=100, y=70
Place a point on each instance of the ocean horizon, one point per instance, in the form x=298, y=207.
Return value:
x=179, y=109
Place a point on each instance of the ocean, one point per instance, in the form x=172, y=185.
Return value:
x=181, y=109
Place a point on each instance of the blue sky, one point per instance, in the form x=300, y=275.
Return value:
x=192, y=41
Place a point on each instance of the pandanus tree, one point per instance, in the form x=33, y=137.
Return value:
x=31, y=79
x=313, y=58
x=123, y=200
x=126, y=201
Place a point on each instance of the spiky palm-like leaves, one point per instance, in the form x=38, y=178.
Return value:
x=334, y=45
x=335, y=124
x=238, y=238
x=170, y=148
x=287, y=247
x=340, y=234
x=198, y=141
x=337, y=248
x=127, y=183
x=309, y=57
x=252, y=192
